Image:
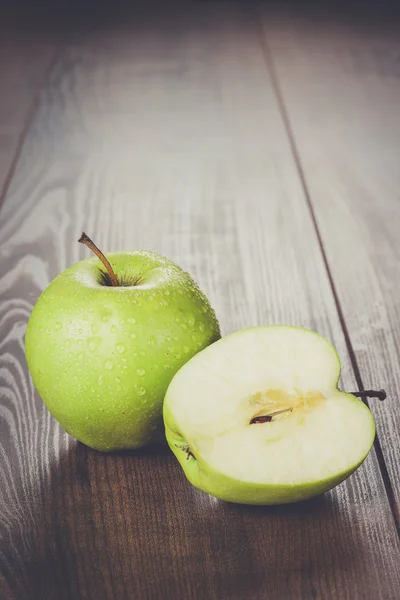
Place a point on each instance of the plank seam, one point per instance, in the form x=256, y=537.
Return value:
x=27, y=124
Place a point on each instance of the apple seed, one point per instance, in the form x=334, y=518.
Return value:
x=269, y=418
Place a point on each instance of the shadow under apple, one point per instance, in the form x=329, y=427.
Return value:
x=129, y=525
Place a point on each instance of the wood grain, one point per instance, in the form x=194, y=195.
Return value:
x=341, y=88
x=162, y=130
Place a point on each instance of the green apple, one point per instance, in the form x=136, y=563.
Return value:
x=101, y=356
x=257, y=418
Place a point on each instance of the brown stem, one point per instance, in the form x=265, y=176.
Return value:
x=380, y=394
x=85, y=239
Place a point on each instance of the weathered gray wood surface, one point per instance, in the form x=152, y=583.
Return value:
x=340, y=82
x=163, y=130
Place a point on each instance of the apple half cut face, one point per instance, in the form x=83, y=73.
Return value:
x=257, y=417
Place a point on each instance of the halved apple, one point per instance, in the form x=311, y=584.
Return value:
x=257, y=417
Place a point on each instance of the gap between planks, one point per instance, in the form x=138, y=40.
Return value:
x=28, y=121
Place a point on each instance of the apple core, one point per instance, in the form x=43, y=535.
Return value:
x=278, y=404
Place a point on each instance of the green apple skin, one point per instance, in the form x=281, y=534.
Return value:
x=101, y=357
x=204, y=477
x=223, y=487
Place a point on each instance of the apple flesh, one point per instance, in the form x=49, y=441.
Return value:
x=257, y=418
x=102, y=357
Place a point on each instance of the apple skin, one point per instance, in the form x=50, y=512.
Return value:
x=102, y=357
x=204, y=477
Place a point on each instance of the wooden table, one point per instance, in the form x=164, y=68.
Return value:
x=259, y=148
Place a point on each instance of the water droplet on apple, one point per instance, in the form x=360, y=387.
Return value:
x=141, y=372
x=109, y=364
x=120, y=348
x=151, y=341
x=100, y=380
x=166, y=292
x=122, y=322
x=133, y=336
x=113, y=329
x=93, y=343
x=185, y=349
x=131, y=320
x=166, y=367
x=141, y=391
x=201, y=327
x=57, y=326
x=142, y=353
x=95, y=327
x=190, y=320
x=67, y=343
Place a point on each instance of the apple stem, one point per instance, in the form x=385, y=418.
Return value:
x=380, y=394
x=85, y=239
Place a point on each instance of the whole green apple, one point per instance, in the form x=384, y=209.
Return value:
x=257, y=418
x=102, y=353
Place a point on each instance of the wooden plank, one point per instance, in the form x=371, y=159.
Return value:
x=340, y=81
x=163, y=132
x=25, y=58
